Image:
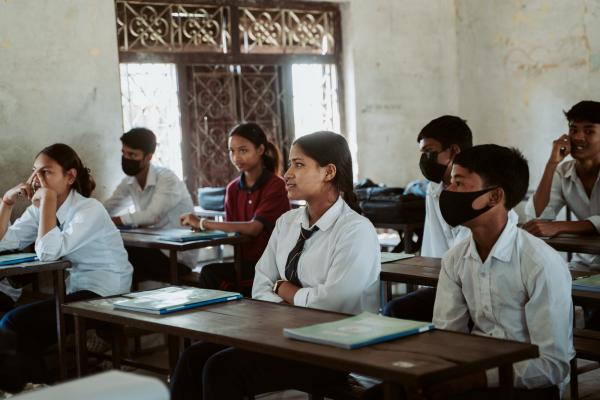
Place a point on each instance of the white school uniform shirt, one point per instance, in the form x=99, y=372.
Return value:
x=339, y=266
x=521, y=292
x=568, y=190
x=86, y=237
x=438, y=236
x=159, y=205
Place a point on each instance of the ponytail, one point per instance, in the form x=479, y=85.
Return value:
x=68, y=159
x=332, y=148
x=254, y=133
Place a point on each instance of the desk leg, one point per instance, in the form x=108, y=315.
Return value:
x=80, y=346
x=392, y=391
x=173, y=267
x=59, y=296
x=506, y=381
x=174, y=346
x=237, y=265
x=117, y=345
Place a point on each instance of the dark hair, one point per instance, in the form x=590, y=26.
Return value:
x=448, y=130
x=140, y=139
x=66, y=157
x=498, y=166
x=254, y=133
x=332, y=148
x=584, y=111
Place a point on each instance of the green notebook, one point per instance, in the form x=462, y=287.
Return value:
x=387, y=257
x=589, y=283
x=361, y=330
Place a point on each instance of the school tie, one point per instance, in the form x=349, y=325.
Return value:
x=291, y=266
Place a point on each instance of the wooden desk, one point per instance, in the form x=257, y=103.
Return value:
x=426, y=270
x=415, y=361
x=575, y=244
x=152, y=242
x=57, y=268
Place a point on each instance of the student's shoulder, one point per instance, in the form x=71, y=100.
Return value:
x=164, y=173
x=537, y=256
x=276, y=182
x=290, y=217
x=457, y=251
x=234, y=185
x=88, y=204
x=565, y=168
x=354, y=222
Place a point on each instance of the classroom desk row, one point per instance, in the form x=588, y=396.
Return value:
x=426, y=270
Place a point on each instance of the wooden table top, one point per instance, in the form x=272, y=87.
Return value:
x=152, y=241
x=33, y=267
x=575, y=243
x=426, y=271
x=257, y=326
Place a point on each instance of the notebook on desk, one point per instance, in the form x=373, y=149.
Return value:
x=358, y=331
x=588, y=283
x=17, y=258
x=177, y=234
x=387, y=257
x=173, y=298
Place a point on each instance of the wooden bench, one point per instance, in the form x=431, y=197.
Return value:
x=587, y=347
x=357, y=387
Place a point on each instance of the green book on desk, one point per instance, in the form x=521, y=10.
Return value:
x=361, y=330
x=588, y=283
x=173, y=298
x=387, y=257
x=17, y=258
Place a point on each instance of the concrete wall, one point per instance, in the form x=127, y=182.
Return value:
x=59, y=82
x=521, y=63
x=401, y=69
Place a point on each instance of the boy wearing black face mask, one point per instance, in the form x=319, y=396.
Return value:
x=510, y=284
x=439, y=142
x=158, y=197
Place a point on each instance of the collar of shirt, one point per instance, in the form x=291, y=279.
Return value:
x=262, y=179
x=503, y=248
x=326, y=220
x=61, y=213
x=150, y=179
x=436, y=189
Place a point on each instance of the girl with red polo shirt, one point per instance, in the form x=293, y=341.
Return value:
x=253, y=202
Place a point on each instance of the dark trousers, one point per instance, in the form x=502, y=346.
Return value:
x=152, y=264
x=221, y=276
x=6, y=303
x=592, y=317
x=417, y=305
x=209, y=371
x=35, y=328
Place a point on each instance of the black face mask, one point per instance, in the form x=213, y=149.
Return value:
x=457, y=207
x=430, y=167
x=131, y=167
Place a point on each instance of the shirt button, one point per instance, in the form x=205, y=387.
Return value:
x=249, y=201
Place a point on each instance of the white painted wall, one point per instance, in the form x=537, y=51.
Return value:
x=59, y=82
x=521, y=63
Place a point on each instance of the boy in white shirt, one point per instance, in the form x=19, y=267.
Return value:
x=573, y=183
x=158, y=198
x=505, y=282
x=439, y=142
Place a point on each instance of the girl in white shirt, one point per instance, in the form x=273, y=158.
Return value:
x=324, y=255
x=64, y=223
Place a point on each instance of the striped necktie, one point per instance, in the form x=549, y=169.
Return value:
x=291, y=266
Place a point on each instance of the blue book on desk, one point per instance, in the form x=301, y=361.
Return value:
x=17, y=258
x=173, y=298
x=588, y=283
x=186, y=235
x=358, y=331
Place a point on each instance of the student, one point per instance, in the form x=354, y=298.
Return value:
x=439, y=142
x=64, y=223
x=324, y=256
x=253, y=202
x=158, y=198
x=510, y=284
x=573, y=183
